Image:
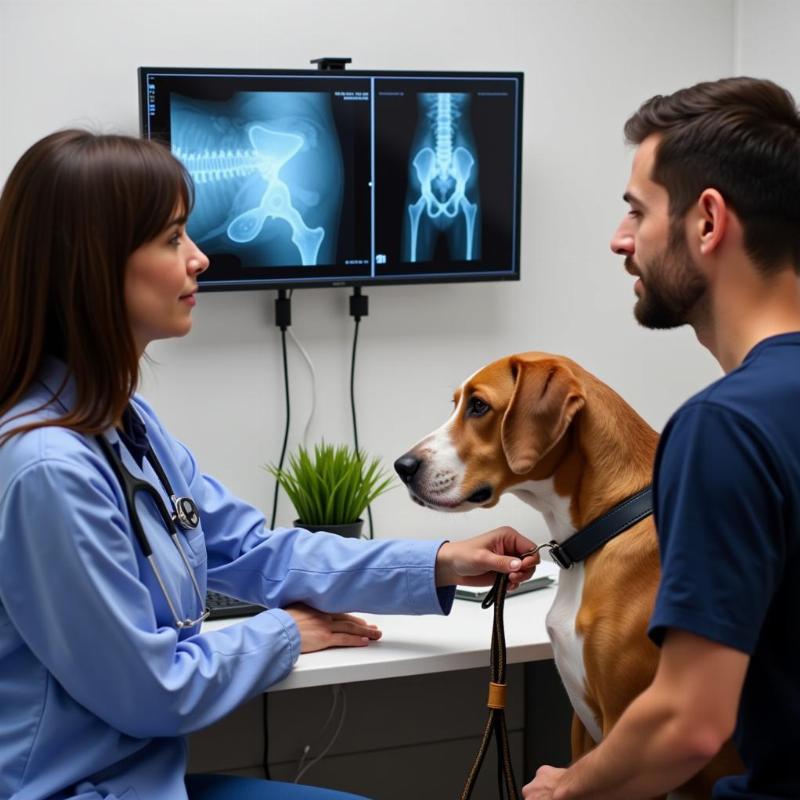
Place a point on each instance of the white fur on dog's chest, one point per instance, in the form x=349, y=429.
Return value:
x=568, y=644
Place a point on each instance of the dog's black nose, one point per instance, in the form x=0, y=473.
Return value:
x=406, y=466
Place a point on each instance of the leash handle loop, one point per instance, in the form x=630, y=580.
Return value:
x=496, y=724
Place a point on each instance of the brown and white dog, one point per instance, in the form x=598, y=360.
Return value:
x=544, y=429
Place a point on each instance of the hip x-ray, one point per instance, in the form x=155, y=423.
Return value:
x=268, y=175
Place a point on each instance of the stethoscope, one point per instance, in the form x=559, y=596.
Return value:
x=184, y=514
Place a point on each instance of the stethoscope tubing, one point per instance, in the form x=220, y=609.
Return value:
x=124, y=480
x=185, y=515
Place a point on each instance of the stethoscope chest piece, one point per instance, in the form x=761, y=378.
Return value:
x=186, y=513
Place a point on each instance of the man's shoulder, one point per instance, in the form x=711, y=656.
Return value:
x=758, y=393
x=712, y=400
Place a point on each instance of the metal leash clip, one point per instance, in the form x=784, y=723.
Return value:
x=556, y=553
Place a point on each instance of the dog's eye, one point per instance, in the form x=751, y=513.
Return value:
x=477, y=407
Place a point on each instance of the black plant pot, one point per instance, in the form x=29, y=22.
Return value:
x=352, y=530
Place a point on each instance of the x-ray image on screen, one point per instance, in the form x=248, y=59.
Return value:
x=442, y=195
x=336, y=177
x=268, y=174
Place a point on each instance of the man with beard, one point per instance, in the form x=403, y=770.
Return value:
x=713, y=236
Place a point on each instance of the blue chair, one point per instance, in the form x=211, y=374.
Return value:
x=231, y=787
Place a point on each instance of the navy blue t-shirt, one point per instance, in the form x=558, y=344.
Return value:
x=727, y=509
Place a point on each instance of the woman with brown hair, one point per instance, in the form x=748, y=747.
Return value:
x=109, y=531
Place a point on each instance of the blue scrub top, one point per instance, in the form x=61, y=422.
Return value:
x=97, y=687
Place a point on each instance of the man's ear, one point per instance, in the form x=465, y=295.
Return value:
x=711, y=223
x=546, y=397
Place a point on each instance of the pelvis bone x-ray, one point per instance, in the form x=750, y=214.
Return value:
x=268, y=174
x=442, y=187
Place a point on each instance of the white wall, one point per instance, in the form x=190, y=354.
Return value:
x=766, y=34
x=587, y=64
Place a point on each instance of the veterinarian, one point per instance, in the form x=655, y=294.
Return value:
x=109, y=531
x=713, y=238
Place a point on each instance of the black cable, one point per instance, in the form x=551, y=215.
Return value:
x=283, y=318
x=358, y=308
x=352, y=383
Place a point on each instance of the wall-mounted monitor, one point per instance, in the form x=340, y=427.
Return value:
x=330, y=178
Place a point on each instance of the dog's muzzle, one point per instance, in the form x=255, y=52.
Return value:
x=408, y=468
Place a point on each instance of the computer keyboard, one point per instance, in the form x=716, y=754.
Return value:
x=223, y=606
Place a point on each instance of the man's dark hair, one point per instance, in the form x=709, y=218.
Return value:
x=740, y=136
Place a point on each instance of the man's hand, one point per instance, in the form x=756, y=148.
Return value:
x=543, y=786
x=475, y=561
x=318, y=630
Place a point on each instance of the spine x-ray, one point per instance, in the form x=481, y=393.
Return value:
x=442, y=196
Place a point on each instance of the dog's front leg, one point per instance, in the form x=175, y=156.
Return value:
x=582, y=742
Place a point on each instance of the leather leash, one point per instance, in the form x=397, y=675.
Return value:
x=496, y=724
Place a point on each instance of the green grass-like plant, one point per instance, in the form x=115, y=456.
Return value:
x=333, y=486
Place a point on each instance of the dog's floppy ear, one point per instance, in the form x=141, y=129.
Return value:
x=546, y=397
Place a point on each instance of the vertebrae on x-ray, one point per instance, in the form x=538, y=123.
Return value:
x=258, y=191
x=442, y=169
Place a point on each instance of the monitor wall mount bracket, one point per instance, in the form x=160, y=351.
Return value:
x=331, y=62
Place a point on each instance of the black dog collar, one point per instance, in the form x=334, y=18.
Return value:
x=614, y=522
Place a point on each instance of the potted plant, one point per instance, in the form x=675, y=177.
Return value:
x=331, y=487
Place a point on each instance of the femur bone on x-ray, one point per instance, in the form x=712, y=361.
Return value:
x=268, y=174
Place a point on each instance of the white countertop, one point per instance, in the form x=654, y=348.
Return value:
x=414, y=645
